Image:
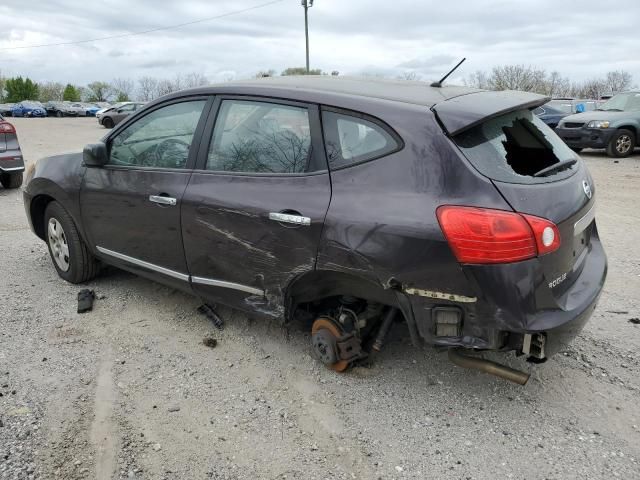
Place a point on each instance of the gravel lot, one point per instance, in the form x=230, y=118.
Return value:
x=130, y=391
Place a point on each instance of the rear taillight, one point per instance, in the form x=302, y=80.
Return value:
x=482, y=235
x=6, y=127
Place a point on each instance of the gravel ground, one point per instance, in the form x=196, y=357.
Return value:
x=130, y=390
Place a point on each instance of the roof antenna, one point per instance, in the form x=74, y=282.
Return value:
x=438, y=84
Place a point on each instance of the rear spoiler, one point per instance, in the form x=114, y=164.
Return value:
x=461, y=113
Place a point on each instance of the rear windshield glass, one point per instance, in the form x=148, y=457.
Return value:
x=517, y=147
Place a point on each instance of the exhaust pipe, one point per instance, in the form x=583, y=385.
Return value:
x=488, y=366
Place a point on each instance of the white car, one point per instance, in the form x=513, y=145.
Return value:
x=115, y=105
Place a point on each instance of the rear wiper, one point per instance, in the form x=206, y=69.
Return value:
x=556, y=167
x=613, y=110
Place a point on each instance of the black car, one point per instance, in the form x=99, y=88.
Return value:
x=11, y=161
x=550, y=115
x=345, y=204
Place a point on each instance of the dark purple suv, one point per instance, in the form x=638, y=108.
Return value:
x=346, y=204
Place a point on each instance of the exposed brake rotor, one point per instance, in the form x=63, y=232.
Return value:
x=325, y=335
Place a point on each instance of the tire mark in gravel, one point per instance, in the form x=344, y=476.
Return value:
x=103, y=430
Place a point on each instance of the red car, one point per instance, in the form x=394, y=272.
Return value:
x=11, y=161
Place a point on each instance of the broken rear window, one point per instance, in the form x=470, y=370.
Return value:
x=517, y=148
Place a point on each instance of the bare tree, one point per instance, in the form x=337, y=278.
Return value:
x=99, y=92
x=123, y=89
x=194, y=79
x=618, y=81
x=409, y=75
x=517, y=77
x=478, y=79
x=147, y=87
x=165, y=87
x=50, y=91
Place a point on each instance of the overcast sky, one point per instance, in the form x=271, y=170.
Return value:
x=581, y=39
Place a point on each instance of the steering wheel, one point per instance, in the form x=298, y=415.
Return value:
x=171, y=153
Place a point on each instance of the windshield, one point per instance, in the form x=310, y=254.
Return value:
x=32, y=104
x=623, y=102
x=515, y=147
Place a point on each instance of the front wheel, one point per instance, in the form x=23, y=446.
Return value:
x=107, y=122
x=71, y=257
x=11, y=180
x=621, y=144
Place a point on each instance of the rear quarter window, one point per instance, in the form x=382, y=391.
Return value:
x=351, y=139
x=514, y=147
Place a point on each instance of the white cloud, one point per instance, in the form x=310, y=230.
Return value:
x=357, y=36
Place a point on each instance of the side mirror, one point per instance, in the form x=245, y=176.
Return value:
x=95, y=155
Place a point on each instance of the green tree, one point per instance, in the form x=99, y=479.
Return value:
x=99, y=92
x=301, y=71
x=122, y=97
x=71, y=94
x=19, y=89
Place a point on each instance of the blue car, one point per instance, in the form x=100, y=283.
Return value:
x=90, y=109
x=28, y=109
x=550, y=115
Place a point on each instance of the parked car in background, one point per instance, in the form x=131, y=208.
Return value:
x=111, y=107
x=344, y=204
x=112, y=117
x=90, y=109
x=63, y=109
x=5, y=109
x=574, y=105
x=614, y=126
x=550, y=115
x=28, y=108
x=11, y=161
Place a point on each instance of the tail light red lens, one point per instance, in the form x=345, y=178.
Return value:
x=6, y=127
x=482, y=235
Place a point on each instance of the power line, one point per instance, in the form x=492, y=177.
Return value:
x=143, y=32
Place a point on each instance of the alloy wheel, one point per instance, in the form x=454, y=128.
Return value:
x=623, y=144
x=58, y=244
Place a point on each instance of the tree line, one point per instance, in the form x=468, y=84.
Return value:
x=143, y=89
x=553, y=84
x=147, y=88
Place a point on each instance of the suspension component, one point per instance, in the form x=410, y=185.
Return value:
x=333, y=346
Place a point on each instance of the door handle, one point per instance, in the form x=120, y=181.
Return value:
x=290, y=218
x=162, y=200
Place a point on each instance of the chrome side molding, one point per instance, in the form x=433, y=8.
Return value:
x=182, y=276
x=142, y=263
x=231, y=285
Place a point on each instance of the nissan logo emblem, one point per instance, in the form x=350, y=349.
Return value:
x=587, y=189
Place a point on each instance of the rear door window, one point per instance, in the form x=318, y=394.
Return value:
x=352, y=139
x=515, y=147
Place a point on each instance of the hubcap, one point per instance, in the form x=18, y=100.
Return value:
x=623, y=144
x=58, y=244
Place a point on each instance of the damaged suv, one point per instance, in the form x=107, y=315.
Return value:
x=347, y=204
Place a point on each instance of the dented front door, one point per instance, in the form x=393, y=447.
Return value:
x=248, y=233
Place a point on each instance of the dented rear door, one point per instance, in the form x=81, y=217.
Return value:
x=250, y=223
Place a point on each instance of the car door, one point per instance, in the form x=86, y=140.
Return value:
x=123, y=112
x=253, y=212
x=131, y=206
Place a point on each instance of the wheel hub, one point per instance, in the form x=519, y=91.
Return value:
x=324, y=339
x=58, y=244
x=623, y=144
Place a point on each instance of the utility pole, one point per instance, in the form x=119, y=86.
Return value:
x=307, y=4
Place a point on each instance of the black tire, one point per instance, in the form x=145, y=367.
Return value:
x=82, y=265
x=576, y=149
x=622, y=143
x=11, y=180
x=59, y=114
x=107, y=122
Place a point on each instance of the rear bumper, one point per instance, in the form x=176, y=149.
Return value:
x=513, y=300
x=585, y=137
x=11, y=161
